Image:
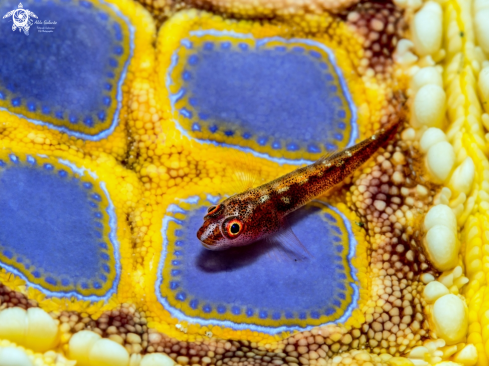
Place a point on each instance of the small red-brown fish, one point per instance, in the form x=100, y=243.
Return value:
x=259, y=212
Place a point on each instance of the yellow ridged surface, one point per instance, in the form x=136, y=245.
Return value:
x=463, y=64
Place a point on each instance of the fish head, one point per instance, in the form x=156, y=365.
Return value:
x=236, y=221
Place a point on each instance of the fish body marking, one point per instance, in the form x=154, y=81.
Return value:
x=260, y=212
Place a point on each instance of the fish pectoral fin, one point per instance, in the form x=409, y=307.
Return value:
x=275, y=252
x=286, y=246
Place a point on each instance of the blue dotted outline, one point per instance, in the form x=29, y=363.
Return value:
x=112, y=237
x=175, y=273
x=188, y=111
x=114, y=124
x=259, y=42
x=244, y=326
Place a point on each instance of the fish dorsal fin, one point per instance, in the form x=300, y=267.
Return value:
x=241, y=180
x=327, y=155
x=245, y=172
x=245, y=179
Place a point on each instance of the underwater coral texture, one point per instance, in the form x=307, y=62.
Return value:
x=121, y=127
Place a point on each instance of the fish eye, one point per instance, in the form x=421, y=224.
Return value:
x=233, y=227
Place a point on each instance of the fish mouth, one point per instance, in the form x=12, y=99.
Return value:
x=208, y=243
x=207, y=246
x=200, y=233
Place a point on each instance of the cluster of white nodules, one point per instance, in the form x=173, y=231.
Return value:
x=436, y=352
x=89, y=349
x=426, y=28
x=429, y=100
x=441, y=241
x=11, y=356
x=449, y=321
x=426, y=37
x=440, y=155
x=481, y=15
x=33, y=329
x=448, y=316
x=440, y=161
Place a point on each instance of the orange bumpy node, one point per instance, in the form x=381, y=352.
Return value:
x=92, y=117
x=381, y=26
